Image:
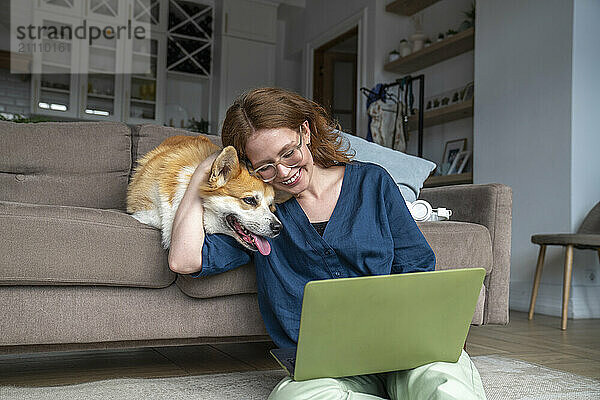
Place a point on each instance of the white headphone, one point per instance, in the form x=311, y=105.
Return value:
x=422, y=211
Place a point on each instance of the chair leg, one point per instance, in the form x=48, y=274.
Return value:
x=567, y=284
x=536, y=281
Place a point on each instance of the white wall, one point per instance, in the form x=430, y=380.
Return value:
x=526, y=88
x=585, y=148
x=288, y=71
x=585, y=142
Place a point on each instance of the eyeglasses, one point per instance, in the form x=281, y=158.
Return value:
x=290, y=159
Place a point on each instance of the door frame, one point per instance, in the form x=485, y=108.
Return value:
x=357, y=20
x=326, y=82
x=319, y=59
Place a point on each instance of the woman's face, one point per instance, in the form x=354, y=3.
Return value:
x=267, y=146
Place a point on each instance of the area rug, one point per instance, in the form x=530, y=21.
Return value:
x=508, y=379
x=503, y=379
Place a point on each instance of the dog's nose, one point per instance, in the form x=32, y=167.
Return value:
x=276, y=227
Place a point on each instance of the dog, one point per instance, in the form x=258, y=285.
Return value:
x=235, y=203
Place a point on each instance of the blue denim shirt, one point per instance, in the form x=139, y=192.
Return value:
x=370, y=232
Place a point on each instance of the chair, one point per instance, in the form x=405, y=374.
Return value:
x=587, y=237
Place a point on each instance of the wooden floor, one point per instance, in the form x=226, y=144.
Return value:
x=539, y=341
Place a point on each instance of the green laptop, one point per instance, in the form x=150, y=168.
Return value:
x=373, y=324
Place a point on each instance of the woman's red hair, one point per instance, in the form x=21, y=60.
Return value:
x=274, y=108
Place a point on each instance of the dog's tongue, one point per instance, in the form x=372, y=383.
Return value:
x=262, y=245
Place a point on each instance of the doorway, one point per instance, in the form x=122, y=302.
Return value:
x=335, y=76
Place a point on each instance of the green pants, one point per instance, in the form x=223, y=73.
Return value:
x=435, y=381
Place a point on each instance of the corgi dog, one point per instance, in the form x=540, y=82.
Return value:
x=235, y=203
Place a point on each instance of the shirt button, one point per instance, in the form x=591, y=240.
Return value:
x=337, y=274
x=327, y=252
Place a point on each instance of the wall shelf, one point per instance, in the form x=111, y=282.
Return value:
x=54, y=90
x=437, y=52
x=446, y=180
x=442, y=115
x=408, y=7
x=188, y=75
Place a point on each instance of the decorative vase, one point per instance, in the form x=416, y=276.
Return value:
x=418, y=40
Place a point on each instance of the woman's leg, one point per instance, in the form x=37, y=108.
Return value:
x=359, y=387
x=437, y=381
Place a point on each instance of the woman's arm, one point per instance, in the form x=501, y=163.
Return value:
x=412, y=252
x=187, y=233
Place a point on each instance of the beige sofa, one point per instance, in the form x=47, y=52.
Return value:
x=79, y=273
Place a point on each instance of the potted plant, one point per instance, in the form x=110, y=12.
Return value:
x=440, y=37
x=23, y=119
x=198, y=126
x=450, y=33
x=427, y=43
x=393, y=55
x=470, y=21
x=471, y=14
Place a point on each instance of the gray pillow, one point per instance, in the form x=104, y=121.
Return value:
x=409, y=172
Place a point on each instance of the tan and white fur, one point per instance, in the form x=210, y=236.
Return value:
x=235, y=203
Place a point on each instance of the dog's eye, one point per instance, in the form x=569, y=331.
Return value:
x=250, y=200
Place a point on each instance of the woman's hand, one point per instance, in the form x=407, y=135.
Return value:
x=187, y=233
x=202, y=171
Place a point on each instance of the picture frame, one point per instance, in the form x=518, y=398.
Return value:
x=459, y=163
x=451, y=150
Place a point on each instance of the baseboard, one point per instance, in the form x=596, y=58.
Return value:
x=584, y=301
x=549, y=299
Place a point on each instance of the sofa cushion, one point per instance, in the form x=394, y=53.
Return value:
x=147, y=137
x=82, y=164
x=51, y=318
x=240, y=280
x=409, y=172
x=459, y=244
x=49, y=245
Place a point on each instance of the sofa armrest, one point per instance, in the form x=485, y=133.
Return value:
x=489, y=205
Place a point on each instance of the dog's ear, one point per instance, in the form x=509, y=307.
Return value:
x=225, y=167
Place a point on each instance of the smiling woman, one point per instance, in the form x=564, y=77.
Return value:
x=341, y=218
